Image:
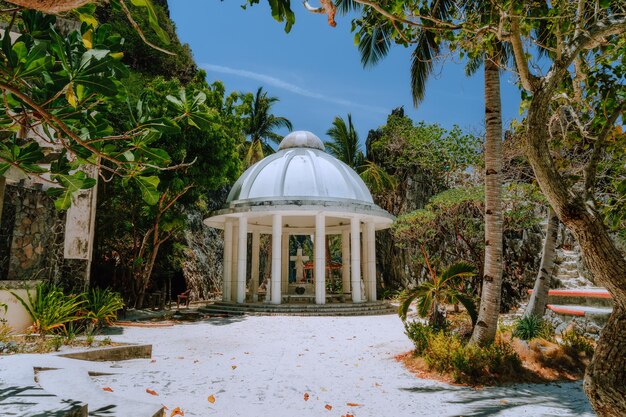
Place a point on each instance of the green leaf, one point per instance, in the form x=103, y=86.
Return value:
x=148, y=186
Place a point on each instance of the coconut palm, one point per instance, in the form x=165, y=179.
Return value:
x=444, y=288
x=344, y=145
x=260, y=126
x=375, y=42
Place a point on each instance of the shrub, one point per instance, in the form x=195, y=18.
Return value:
x=419, y=334
x=574, y=344
x=102, y=307
x=50, y=309
x=530, y=327
x=440, y=350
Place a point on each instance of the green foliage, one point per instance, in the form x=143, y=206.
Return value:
x=576, y=344
x=443, y=288
x=419, y=334
x=281, y=11
x=466, y=362
x=50, y=309
x=531, y=327
x=345, y=146
x=102, y=306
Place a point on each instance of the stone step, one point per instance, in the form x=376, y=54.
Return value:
x=347, y=309
x=30, y=400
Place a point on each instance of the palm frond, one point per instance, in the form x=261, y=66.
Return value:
x=469, y=305
x=406, y=301
x=376, y=178
x=375, y=43
x=459, y=269
x=347, y=6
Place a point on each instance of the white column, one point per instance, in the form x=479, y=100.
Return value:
x=371, y=261
x=254, y=272
x=320, y=259
x=284, y=250
x=355, y=232
x=345, y=261
x=364, y=260
x=277, y=230
x=228, y=259
x=234, y=264
x=242, y=260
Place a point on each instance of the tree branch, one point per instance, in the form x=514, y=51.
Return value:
x=526, y=78
x=134, y=24
x=599, y=145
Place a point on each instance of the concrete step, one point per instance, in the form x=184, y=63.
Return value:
x=597, y=314
x=72, y=386
x=347, y=309
x=588, y=297
x=30, y=400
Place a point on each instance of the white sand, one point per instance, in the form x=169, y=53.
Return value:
x=336, y=360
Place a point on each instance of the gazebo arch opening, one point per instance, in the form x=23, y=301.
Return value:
x=299, y=191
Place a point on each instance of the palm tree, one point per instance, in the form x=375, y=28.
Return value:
x=345, y=146
x=444, y=288
x=260, y=126
x=375, y=42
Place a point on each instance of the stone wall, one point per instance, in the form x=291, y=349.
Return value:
x=32, y=234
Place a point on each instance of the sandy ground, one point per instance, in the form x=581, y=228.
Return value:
x=263, y=366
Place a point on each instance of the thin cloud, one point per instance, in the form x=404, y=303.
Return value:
x=278, y=83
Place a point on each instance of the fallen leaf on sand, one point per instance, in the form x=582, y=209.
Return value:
x=153, y=361
x=504, y=402
x=323, y=389
x=151, y=391
x=177, y=412
x=350, y=415
x=328, y=407
x=107, y=389
x=306, y=396
x=211, y=399
x=196, y=361
x=354, y=405
x=234, y=366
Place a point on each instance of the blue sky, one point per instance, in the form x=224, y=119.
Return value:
x=316, y=72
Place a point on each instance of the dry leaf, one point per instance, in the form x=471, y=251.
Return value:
x=234, y=366
x=177, y=412
x=328, y=407
x=306, y=396
x=153, y=361
x=504, y=402
x=107, y=389
x=151, y=391
x=354, y=405
x=211, y=399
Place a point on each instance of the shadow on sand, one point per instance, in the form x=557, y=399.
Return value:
x=568, y=397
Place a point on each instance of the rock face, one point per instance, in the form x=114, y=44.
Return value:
x=202, y=264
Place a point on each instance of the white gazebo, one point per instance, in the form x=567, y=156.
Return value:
x=299, y=190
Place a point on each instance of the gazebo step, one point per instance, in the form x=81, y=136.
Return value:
x=348, y=309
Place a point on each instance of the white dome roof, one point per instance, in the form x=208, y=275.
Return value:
x=300, y=170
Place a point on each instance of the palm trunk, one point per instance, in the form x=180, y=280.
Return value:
x=487, y=323
x=605, y=379
x=539, y=298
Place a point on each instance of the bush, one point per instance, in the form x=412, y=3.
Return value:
x=50, y=309
x=574, y=344
x=441, y=348
x=102, y=307
x=531, y=327
x=419, y=334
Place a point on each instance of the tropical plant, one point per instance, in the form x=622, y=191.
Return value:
x=531, y=326
x=102, y=306
x=260, y=126
x=443, y=288
x=50, y=309
x=345, y=146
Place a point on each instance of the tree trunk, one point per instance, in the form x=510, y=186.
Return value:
x=539, y=298
x=605, y=380
x=487, y=323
